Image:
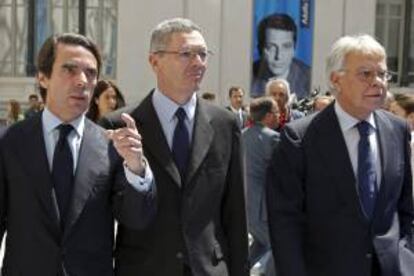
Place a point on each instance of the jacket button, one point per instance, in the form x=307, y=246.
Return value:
x=368, y=255
x=179, y=255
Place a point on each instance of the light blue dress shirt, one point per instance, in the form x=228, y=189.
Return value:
x=351, y=135
x=166, y=108
x=50, y=122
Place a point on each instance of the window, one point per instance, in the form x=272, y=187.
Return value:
x=25, y=24
x=395, y=30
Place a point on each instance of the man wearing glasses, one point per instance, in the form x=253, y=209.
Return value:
x=340, y=188
x=193, y=148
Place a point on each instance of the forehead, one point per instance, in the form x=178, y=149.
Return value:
x=76, y=54
x=361, y=59
x=187, y=40
x=277, y=87
x=278, y=36
x=237, y=92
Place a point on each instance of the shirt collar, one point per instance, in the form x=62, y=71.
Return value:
x=346, y=121
x=169, y=107
x=51, y=121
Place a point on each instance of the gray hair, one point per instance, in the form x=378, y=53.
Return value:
x=161, y=34
x=362, y=43
x=277, y=80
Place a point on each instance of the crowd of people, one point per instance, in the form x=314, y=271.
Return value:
x=203, y=190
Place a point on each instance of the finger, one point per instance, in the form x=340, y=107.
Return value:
x=129, y=121
x=109, y=134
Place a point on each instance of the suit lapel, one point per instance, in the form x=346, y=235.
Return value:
x=154, y=141
x=337, y=161
x=389, y=157
x=32, y=152
x=202, y=138
x=90, y=155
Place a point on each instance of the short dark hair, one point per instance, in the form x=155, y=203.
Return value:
x=259, y=107
x=33, y=97
x=279, y=21
x=208, y=96
x=233, y=89
x=101, y=86
x=47, y=54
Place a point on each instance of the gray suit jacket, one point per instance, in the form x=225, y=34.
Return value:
x=35, y=243
x=259, y=142
x=201, y=222
x=316, y=221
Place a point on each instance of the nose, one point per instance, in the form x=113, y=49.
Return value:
x=81, y=79
x=277, y=53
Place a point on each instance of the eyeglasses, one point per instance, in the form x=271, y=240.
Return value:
x=188, y=55
x=368, y=75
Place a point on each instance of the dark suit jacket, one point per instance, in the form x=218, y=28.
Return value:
x=200, y=221
x=317, y=225
x=35, y=242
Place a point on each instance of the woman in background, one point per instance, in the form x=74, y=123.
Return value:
x=106, y=98
x=14, y=113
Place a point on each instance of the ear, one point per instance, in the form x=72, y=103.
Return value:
x=43, y=80
x=153, y=61
x=335, y=80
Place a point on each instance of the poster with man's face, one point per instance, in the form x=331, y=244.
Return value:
x=282, y=45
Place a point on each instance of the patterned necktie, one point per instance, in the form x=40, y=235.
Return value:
x=367, y=176
x=181, y=143
x=62, y=171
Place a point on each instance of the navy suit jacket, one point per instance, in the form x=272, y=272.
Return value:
x=316, y=221
x=35, y=242
x=201, y=221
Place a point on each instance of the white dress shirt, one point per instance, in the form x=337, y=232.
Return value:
x=347, y=124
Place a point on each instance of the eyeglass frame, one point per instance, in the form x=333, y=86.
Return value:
x=368, y=76
x=188, y=55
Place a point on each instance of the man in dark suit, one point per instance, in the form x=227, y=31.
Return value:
x=193, y=148
x=259, y=141
x=339, y=187
x=236, y=95
x=61, y=181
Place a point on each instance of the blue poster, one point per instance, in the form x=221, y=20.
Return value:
x=282, y=44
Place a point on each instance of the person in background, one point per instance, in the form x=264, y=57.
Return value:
x=14, y=113
x=259, y=141
x=106, y=98
x=322, y=101
x=339, y=189
x=193, y=149
x=34, y=106
x=277, y=37
x=279, y=90
x=236, y=95
x=62, y=181
x=403, y=106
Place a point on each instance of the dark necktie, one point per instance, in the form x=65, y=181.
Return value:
x=62, y=171
x=181, y=143
x=367, y=176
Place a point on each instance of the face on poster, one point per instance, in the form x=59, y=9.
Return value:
x=282, y=45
